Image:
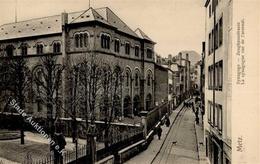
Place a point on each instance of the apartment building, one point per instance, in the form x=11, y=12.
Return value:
x=218, y=74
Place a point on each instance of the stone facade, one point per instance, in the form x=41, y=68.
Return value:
x=93, y=25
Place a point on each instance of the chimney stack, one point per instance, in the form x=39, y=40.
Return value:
x=64, y=18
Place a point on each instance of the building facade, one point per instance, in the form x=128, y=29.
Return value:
x=218, y=75
x=195, y=75
x=70, y=36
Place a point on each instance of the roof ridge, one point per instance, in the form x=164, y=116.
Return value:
x=120, y=19
x=30, y=20
x=84, y=11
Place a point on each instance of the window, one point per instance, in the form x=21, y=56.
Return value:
x=209, y=44
x=212, y=41
x=209, y=111
x=9, y=50
x=81, y=40
x=136, y=79
x=216, y=37
x=220, y=72
x=127, y=48
x=56, y=47
x=24, y=49
x=149, y=78
x=136, y=51
x=214, y=5
x=215, y=123
x=76, y=39
x=220, y=31
x=105, y=41
x=149, y=53
x=210, y=72
x=220, y=119
x=216, y=76
x=209, y=10
x=39, y=49
x=127, y=79
x=85, y=39
x=117, y=45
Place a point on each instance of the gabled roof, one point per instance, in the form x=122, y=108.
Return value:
x=85, y=16
x=32, y=27
x=52, y=24
x=142, y=35
x=115, y=21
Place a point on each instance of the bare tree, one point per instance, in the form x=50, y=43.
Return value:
x=22, y=81
x=84, y=94
x=47, y=77
x=16, y=79
x=111, y=84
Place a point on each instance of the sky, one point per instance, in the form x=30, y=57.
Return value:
x=174, y=25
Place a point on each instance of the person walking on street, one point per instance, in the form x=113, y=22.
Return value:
x=197, y=115
x=159, y=132
x=167, y=122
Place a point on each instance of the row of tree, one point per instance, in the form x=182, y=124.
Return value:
x=81, y=88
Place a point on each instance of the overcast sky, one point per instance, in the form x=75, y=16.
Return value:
x=175, y=25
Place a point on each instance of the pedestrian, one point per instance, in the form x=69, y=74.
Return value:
x=159, y=132
x=167, y=122
x=197, y=116
x=59, y=145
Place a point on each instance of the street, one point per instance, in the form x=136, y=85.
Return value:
x=180, y=145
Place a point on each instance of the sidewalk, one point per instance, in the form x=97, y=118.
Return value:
x=200, y=142
x=147, y=156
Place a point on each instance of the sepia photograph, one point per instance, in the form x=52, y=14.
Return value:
x=129, y=81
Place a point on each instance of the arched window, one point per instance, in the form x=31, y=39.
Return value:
x=136, y=79
x=127, y=48
x=76, y=39
x=127, y=78
x=85, y=39
x=39, y=49
x=105, y=41
x=56, y=47
x=117, y=45
x=9, y=50
x=81, y=40
x=149, y=78
x=23, y=49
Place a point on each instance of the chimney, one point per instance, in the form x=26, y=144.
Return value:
x=187, y=56
x=64, y=18
x=170, y=57
x=180, y=55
